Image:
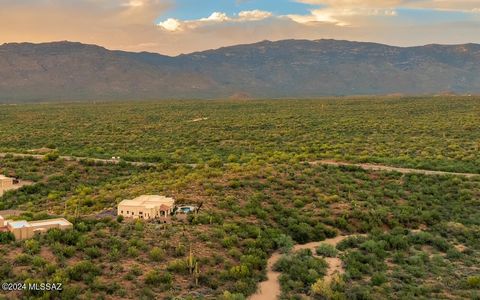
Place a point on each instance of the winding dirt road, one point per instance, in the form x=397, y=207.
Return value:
x=270, y=289
x=374, y=167
x=79, y=158
x=371, y=167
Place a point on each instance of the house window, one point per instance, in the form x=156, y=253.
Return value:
x=140, y=213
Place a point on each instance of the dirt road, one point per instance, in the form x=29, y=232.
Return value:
x=373, y=167
x=270, y=288
x=79, y=158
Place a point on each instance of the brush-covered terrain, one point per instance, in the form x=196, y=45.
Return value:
x=413, y=236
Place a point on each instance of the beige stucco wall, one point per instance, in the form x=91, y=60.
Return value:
x=140, y=212
x=21, y=233
x=34, y=227
x=6, y=183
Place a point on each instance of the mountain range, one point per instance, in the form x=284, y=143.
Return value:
x=68, y=71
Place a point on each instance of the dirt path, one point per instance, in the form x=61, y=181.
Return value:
x=371, y=167
x=374, y=167
x=78, y=158
x=270, y=288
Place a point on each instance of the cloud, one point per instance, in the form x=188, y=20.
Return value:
x=175, y=25
x=327, y=11
x=464, y=5
x=133, y=25
x=340, y=16
x=254, y=15
x=171, y=24
x=447, y=5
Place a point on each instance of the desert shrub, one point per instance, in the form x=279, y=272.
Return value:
x=157, y=277
x=326, y=250
x=93, y=252
x=328, y=288
x=38, y=261
x=473, y=282
x=180, y=250
x=300, y=270
x=63, y=250
x=23, y=259
x=6, y=237
x=83, y=271
x=114, y=254
x=5, y=269
x=232, y=296
x=284, y=243
x=178, y=266
x=31, y=246
x=52, y=156
x=156, y=254
x=239, y=271
x=379, y=279
x=132, y=251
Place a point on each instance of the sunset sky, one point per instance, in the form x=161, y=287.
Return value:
x=181, y=26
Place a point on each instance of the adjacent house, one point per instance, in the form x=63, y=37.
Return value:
x=147, y=207
x=27, y=229
x=5, y=182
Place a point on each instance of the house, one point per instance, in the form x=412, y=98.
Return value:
x=146, y=207
x=3, y=227
x=5, y=182
x=27, y=229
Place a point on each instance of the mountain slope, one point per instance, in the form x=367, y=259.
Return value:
x=290, y=68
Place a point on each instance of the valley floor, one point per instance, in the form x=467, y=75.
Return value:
x=384, y=191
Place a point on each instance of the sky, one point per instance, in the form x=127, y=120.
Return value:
x=173, y=27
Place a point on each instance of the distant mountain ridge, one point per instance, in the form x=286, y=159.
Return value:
x=291, y=68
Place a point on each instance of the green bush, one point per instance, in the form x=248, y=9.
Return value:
x=284, y=243
x=326, y=250
x=6, y=237
x=473, y=282
x=156, y=254
x=83, y=271
x=31, y=246
x=156, y=277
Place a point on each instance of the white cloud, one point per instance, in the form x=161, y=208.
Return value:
x=216, y=17
x=450, y=5
x=175, y=25
x=254, y=15
x=133, y=3
x=128, y=24
x=339, y=16
x=171, y=24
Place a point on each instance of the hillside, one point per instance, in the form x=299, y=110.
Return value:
x=290, y=68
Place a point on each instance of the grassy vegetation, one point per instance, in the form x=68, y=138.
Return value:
x=432, y=133
x=421, y=232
